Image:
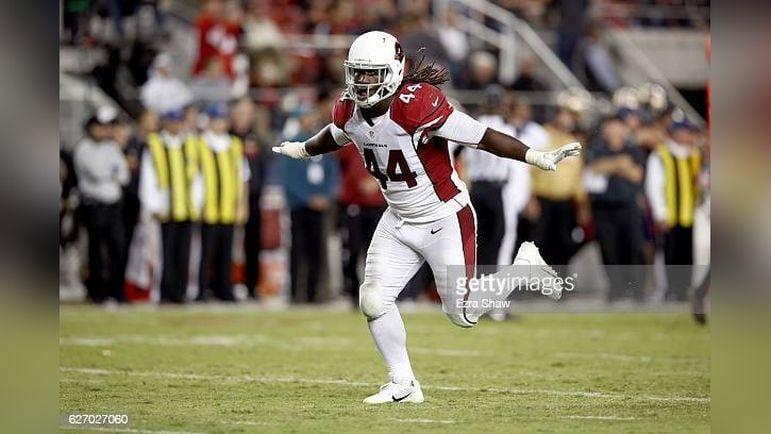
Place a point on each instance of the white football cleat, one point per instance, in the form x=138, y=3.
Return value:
x=408, y=391
x=528, y=254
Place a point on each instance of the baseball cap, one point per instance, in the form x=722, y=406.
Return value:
x=625, y=112
x=680, y=124
x=174, y=115
x=679, y=121
x=216, y=111
x=104, y=115
x=107, y=115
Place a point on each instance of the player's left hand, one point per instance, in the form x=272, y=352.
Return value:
x=549, y=160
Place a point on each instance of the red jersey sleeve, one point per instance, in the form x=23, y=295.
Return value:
x=342, y=111
x=420, y=106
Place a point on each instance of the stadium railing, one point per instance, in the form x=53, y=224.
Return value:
x=512, y=33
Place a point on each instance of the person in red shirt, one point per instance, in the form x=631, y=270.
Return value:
x=361, y=206
x=218, y=34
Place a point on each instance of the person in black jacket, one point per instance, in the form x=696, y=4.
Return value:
x=242, y=126
x=614, y=182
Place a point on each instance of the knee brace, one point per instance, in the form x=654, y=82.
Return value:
x=371, y=302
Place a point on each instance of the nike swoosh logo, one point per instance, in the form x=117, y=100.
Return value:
x=400, y=399
x=435, y=231
x=436, y=101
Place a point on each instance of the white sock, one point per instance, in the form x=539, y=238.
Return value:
x=391, y=340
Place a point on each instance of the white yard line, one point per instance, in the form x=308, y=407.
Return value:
x=599, y=417
x=217, y=340
x=249, y=423
x=81, y=380
x=265, y=379
x=607, y=356
x=298, y=343
x=234, y=379
x=576, y=393
x=629, y=357
x=424, y=421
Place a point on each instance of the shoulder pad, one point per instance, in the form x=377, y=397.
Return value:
x=342, y=110
x=420, y=106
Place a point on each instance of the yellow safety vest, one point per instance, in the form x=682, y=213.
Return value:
x=681, y=184
x=175, y=170
x=222, y=181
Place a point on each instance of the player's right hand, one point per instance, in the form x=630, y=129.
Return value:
x=292, y=149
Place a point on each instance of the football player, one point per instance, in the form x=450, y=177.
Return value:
x=401, y=124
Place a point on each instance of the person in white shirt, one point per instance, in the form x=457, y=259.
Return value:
x=488, y=174
x=500, y=187
x=102, y=172
x=517, y=192
x=455, y=43
x=672, y=187
x=163, y=91
x=212, y=86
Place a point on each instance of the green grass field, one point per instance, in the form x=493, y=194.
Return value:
x=225, y=370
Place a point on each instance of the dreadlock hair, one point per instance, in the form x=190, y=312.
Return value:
x=430, y=73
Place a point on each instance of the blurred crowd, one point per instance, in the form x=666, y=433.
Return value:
x=258, y=45
x=635, y=191
x=174, y=188
x=199, y=173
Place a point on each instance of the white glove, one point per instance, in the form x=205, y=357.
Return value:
x=292, y=149
x=549, y=160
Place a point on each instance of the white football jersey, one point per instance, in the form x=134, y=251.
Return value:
x=414, y=168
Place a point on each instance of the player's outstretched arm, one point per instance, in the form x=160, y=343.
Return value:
x=506, y=146
x=321, y=143
x=462, y=128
